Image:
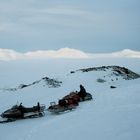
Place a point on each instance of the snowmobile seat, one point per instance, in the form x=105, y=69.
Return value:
x=63, y=102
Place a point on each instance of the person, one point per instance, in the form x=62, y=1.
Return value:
x=20, y=106
x=82, y=93
x=38, y=106
x=21, y=109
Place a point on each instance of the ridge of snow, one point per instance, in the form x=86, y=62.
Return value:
x=114, y=70
x=105, y=73
x=49, y=82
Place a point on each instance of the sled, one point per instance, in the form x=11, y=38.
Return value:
x=56, y=108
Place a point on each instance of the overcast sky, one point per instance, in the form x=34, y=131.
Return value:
x=94, y=26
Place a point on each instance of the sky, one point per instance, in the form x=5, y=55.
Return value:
x=93, y=26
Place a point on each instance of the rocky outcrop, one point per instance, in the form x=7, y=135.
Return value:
x=46, y=81
x=116, y=70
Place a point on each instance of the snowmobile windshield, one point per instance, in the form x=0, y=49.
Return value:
x=14, y=107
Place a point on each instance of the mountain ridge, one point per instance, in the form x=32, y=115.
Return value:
x=112, y=73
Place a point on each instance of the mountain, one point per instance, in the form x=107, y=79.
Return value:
x=114, y=71
x=105, y=74
x=45, y=81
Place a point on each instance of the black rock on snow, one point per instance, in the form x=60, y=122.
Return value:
x=125, y=73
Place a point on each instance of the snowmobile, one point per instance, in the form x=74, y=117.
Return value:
x=73, y=95
x=78, y=97
x=21, y=112
x=68, y=102
x=62, y=106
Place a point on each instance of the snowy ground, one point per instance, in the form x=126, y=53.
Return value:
x=113, y=114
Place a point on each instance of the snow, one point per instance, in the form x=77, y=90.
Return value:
x=113, y=114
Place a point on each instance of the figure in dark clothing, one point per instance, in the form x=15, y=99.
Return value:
x=82, y=93
x=21, y=108
x=38, y=106
x=82, y=89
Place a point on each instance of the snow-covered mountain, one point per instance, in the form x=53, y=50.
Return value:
x=45, y=81
x=100, y=74
x=112, y=114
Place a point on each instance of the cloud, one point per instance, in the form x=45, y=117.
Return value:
x=61, y=53
x=32, y=22
x=127, y=53
x=7, y=54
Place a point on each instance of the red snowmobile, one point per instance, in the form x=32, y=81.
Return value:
x=69, y=102
x=21, y=112
x=78, y=96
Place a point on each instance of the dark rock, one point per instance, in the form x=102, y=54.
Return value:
x=72, y=72
x=52, y=83
x=113, y=87
x=101, y=80
x=23, y=86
